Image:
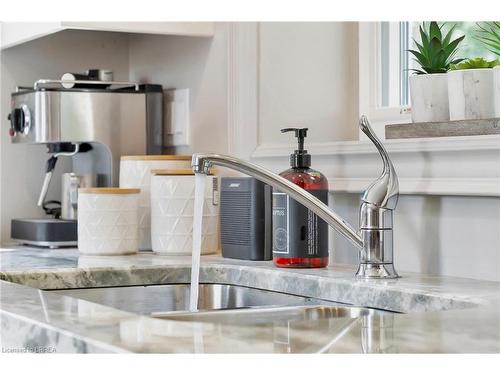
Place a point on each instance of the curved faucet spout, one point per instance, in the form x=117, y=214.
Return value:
x=384, y=191
x=201, y=163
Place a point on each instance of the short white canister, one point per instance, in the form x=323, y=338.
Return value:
x=172, y=207
x=135, y=172
x=108, y=221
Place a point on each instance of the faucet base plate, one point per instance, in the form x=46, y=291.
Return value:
x=376, y=271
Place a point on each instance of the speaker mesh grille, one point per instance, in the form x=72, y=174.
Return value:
x=235, y=217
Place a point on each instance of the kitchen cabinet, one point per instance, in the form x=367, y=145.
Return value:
x=15, y=33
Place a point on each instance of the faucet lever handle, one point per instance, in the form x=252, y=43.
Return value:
x=384, y=191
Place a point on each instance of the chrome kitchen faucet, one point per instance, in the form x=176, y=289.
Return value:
x=374, y=238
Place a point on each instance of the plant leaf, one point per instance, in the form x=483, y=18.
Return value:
x=417, y=71
x=420, y=48
x=456, y=61
x=434, y=48
x=489, y=35
x=423, y=38
x=421, y=59
x=450, y=48
x=435, y=30
x=447, y=38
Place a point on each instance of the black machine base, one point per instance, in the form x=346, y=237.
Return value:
x=45, y=232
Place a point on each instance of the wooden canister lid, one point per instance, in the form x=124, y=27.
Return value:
x=108, y=190
x=176, y=172
x=173, y=172
x=157, y=157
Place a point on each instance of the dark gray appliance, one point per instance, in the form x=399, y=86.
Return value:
x=246, y=218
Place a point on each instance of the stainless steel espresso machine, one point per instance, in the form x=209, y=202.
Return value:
x=93, y=122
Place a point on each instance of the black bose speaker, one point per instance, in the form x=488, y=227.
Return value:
x=246, y=218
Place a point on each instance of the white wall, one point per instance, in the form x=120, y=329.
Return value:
x=22, y=166
x=308, y=77
x=438, y=235
x=199, y=64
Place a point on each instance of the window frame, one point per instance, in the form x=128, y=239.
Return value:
x=369, y=40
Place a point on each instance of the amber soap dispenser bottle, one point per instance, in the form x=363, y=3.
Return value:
x=300, y=237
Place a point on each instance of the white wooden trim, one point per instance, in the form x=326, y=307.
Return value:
x=394, y=63
x=453, y=166
x=425, y=186
x=243, y=89
x=409, y=146
x=369, y=76
x=438, y=166
x=16, y=33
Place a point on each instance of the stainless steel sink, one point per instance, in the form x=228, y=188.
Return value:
x=219, y=303
x=276, y=315
x=162, y=299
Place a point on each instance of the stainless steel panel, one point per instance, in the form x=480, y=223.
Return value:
x=115, y=123
x=274, y=315
x=115, y=119
x=156, y=299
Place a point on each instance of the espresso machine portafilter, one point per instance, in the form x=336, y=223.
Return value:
x=92, y=122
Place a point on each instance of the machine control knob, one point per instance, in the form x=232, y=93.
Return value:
x=17, y=120
x=20, y=121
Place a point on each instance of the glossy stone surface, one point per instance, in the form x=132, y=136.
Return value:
x=33, y=317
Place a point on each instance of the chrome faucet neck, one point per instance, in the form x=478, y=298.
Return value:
x=374, y=239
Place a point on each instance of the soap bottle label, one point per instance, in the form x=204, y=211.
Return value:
x=297, y=231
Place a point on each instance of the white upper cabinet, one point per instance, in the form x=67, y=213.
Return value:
x=14, y=33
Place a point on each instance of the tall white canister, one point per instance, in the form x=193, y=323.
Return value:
x=172, y=207
x=135, y=172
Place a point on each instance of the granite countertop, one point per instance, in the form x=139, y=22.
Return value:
x=441, y=314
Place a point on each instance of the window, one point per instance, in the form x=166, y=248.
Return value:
x=385, y=66
x=407, y=33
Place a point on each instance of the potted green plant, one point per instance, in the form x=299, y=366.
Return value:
x=471, y=89
x=428, y=86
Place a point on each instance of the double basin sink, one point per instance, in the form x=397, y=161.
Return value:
x=218, y=303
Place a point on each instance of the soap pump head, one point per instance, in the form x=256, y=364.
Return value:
x=300, y=158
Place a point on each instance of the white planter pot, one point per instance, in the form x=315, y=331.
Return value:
x=471, y=94
x=108, y=221
x=135, y=172
x=429, y=97
x=172, y=209
x=496, y=88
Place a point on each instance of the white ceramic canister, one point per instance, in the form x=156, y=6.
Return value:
x=172, y=207
x=471, y=94
x=108, y=221
x=135, y=172
x=429, y=97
